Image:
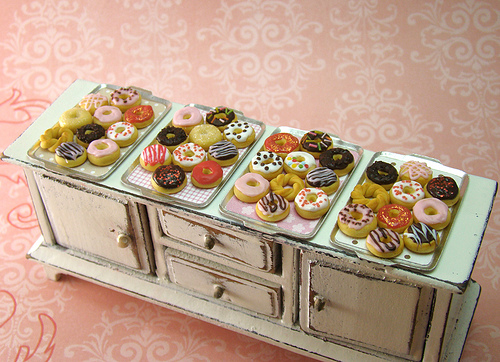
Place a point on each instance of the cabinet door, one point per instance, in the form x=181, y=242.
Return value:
x=90, y=222
x=365, y=309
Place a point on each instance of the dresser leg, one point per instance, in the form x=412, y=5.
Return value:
x=52, y=273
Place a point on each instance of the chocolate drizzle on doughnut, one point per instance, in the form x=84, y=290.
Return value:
x=90, y=132
x=328, y=158
x=385, y=240
x=272, y=203
x=223, y=150
x=171, y=136
x=442, y=188
x=70, y=150
x=321, y=176
x=169, y=176
x=220, y=116
x=382, y=173
x=420, y=233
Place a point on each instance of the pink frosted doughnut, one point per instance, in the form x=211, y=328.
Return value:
x=187, y=118
x=107, y=115
x=432, y=212
x=103, y=152
x=251, y=187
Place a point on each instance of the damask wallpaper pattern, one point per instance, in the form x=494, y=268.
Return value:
x=410, y=77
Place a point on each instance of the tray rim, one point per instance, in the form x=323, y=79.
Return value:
x=434, y=257
x=271, y=228
x=215, y=191
x=73, y=172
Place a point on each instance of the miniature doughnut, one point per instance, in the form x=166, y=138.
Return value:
x=92, y=101
x=123, y=133
x=140, y=116
x=299, y=163
x=188, y=155
x=220, y=117
x=281, y=144
x=311, y=203
x=88, y=133
x=206, y=175
x=224, y=153
x=421, y=238
x=240, y=133
x=324, y=178
x=125, y=98
x=382, y=173
x=356, y=220
x=103, y=152
x=75, y=118
x=250, y=187
x=372, y=195
x=168, y=179
x=107, y=115
x=384, y=243
x=205, y=135
x=172, y=137
x=272, y=207
x=443, y=188
x=394, y=217
x=315, y=142
x=279, y=183
x=54, y=137
x=186, y=118
x=154, y=156
x=415, y=171
x=70, y=154
x=406, y=193
x=432, y=212
x=338, y=159
x=266, y=163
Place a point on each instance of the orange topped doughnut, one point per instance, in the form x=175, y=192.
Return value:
x=281, y=143
x=140, y=116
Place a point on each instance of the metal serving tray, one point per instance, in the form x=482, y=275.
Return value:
x=408, y=258
x=139, y=178
x=87, y=170
x=293, y=225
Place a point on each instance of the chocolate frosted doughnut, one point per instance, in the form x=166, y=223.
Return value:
x=90, y=132
x=220, y=117
x=382, y=173
x=338, y=159
x=442, y=188
x=169, y=176
x=171, y=136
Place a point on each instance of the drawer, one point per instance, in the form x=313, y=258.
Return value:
x=364, y=309
x=223, y=239
x=219, y=286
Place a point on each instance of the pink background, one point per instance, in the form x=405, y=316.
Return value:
x=419, y=76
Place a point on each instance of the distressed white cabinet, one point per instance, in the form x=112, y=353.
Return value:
x=305, y=295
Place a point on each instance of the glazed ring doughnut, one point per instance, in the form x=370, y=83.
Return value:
x=272, y=207
x=356, y=220
x=70, y=154
x=125, y=98
x=172, y=137
x=382, y=173
x=186, y=118
x=220, y=117
x=432, y=212
x=168, y=179
x=207, y=175
x=54, y=137
x=443, y=188
x=384, y=243
x=406, y=193
x=123, y=133
x=140, y=116
x=372, y=195
x=93, y=101
x=278, y=185
x=266, y=163
x=75, y=118
x=315, y=142
x=338, y=159
x=421, y=238
x=188, y=155
x=103, y=152
x=205, y=135
x=224, y=153
x=394, y=217
x=240, y=133
x=88, y=133
x=324, y=178
x=281, y=144
x=107, y=115
x=299, y=163
x=415, y=171
x=251, y=187
x=311, y=203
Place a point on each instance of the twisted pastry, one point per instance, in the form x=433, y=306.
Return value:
x=54, y=137
x=372, y=195
x=278, y=185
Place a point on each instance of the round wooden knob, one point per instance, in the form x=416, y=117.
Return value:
x=218, y=291
x=209, y=242
x=123, y=240
x=319, y=303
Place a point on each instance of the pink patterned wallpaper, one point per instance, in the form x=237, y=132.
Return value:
x=411, y=77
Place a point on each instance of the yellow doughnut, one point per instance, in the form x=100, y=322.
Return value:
x=75, y=118
x=372, y=195
x=54, y=137
x=205, y=135
x=279, y=183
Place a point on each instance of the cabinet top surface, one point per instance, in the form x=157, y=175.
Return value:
x=452, y=271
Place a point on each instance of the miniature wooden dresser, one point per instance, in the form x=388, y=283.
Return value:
x=307, y=296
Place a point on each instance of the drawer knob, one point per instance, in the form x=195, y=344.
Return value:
x=123, y=240
x=209, y=242
x=218, y=291
x=319, y=303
